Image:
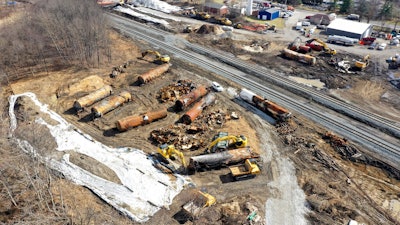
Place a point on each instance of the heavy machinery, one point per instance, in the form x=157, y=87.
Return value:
x=199, y=201
x=159, y=58
x=199, y=15
x=393, y=62
x=362, y=64
x=248, y=170
x=224, y=21
x=325, y=47
x=222, y=141
x=170, y=154
x=188, y=29
x=298, y=47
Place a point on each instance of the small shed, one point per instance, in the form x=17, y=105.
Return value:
x=269, y=14
x=215, y=8
x=349, y=28
x=321, y=19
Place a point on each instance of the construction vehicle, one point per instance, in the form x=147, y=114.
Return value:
x=362, y=64
x=325, y=47
x=222, y=141
x=159, y=58
x=199, y=15
x=297, y=47
x=393, y=62
x=199, y=201
x=248, y=170
x=224, y=21
x=188, y=29
x=169, y=155
x=238, y=25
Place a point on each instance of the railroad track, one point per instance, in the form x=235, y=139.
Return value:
x=388, y=152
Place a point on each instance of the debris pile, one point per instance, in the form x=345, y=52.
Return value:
x=246, y=213
x=193, y=136
x=173, y=91
x=208, y=29
x=117, y=70
x=342, y=146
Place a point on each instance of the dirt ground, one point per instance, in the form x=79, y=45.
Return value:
x=336, y=188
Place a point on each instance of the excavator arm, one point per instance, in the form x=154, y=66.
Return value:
x=159, y=58
x=169, y=151
x=324, y=46
x=238, y=141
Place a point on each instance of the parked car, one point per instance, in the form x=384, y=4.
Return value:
x=382, y=46
x=373, y=45
x=217, y=87
x=353, y=17
x=306, y=23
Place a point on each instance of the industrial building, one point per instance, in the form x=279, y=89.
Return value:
x=269, y=14
x=348, y=28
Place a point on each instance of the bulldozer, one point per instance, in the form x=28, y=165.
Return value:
x=222, y=141
x=325, y=47
x=248, y=170
x=169, y=156
x=362, y=64
x=160, y=59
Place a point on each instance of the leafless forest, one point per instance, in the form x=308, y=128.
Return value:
x=54, y=33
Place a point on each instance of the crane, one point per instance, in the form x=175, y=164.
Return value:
x=325, y=47
x=223, y=141
x=159, y=58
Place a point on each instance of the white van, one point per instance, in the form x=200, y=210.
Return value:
x=298, y=26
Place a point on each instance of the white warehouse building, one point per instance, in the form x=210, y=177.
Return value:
x=349, y=28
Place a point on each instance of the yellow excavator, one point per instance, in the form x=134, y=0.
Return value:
x=170, y=154
x=362, y=64
x=222, y=141
x=159, y=58
x=325, y=47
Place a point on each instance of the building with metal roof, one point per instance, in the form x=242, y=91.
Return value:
x=349, y=28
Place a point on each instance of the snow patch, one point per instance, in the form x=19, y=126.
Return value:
x=157, y=5
x=141, y=16
x=144, y=189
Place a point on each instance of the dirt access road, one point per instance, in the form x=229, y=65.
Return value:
x=303, y=176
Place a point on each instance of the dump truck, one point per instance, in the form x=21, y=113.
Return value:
x=248, y=170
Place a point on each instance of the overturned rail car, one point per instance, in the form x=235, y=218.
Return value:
x=267, y=106
x=221, y=159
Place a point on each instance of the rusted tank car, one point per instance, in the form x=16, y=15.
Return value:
x=308, y=59
x=153, y=73
x=110, y=103
x=191, y=97
x=146, y=118
x=92, y=98
x=221, y=159
x=267, y=106
x=196, y=110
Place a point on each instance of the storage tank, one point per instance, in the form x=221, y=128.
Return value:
x=153, y=73
x=267, y=106
x=197, y=109
x=110, y=103
x=93, y=97
x=220, y=159
x=146, y=118
x=191, y=97
x=308, y=59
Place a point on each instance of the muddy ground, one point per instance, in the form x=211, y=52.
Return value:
x=336, y=188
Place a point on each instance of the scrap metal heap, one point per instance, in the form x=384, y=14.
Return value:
x=191, y=137
x=174, y=91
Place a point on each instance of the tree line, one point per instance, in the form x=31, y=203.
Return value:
x=54, y=33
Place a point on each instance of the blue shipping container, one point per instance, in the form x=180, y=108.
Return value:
x=269, y=14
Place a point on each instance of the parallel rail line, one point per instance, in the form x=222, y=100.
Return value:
x=388, y=152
